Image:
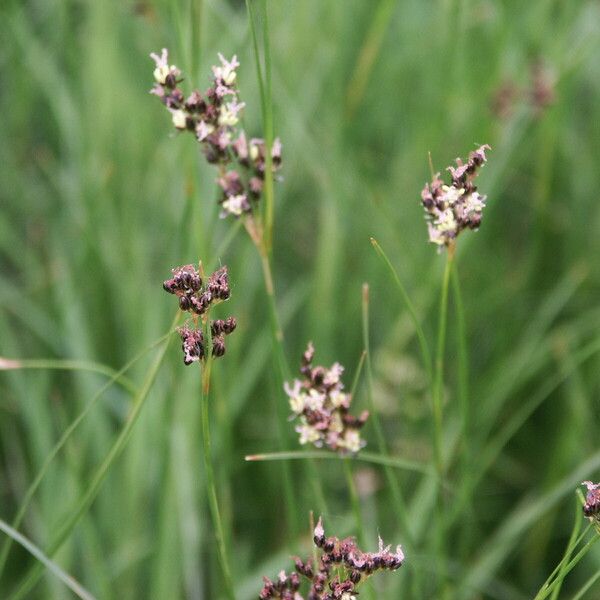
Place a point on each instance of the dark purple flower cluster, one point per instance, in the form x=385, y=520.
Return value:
x=213, y=117
x=452, y=208
x=186, y=284
x=323, y=407
x=340, y=569
x=196, y=298
x=591, y=508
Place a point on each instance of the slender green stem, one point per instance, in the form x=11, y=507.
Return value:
x=68, y=365
x=397, y=497
x=264, y=85
x=211, y=488
x=69, y=581
x=465, y=410
x=423, y=345
x=577, y=520
x=382, y=15
x=29, y=494
x=438, y=385
x=586, y=586
x=547, y=590
x=355, y=503
x=196, y=8
x=438, y=424
x=362, y=456
x=269, y=194
x=281, y=374
x=574, y=541
x=494, y=447
x=100, y=475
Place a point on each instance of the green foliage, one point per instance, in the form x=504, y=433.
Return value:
x=100, y=199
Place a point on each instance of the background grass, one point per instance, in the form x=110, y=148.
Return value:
x=100, y=200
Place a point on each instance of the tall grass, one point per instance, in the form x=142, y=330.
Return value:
x=100, y=200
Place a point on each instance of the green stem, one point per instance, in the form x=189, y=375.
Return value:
x=281, y=374
x=490, y=453
x=69, y=365
x=355, y=503
x=269, y=194
x=570, y=546
x=362, y=456
x=31, y=490
x=465, y=409
x=573, y=543
x=586, y=586
x=547, y=590
x=397, y=497
x=438, y=425
x=100, y=475
x=438, y=382
x=69, y=581
x=423, y=345
x=211, y=488
x=266, y=103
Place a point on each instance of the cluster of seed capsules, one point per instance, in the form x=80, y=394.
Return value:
x=453, y=208
x=340, y=569
x=213, y=117
x=323, y=407
x=197, y=298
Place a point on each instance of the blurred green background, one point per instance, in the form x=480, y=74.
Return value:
x=100, y=199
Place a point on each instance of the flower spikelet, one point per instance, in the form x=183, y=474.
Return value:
x=321, y=405
x=197, y=297
x=591, y=508
x=340, y=568
x=213, y=117
x=450, y=209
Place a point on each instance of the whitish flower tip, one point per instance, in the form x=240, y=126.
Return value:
x=319, y=531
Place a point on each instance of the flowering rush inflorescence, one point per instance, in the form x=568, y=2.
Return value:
x=452, y=208
x=213, y=117
x=341, y=567
x=591, y=508
x=323, y=407
x=196, y=298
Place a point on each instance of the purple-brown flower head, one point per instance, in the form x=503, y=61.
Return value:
x=452, y=208
x=192, y=344
x=322, y=407
x=196, y=298
x=591, y=508
x=338, y=572
x=214, y=118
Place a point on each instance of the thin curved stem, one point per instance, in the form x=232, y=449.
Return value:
x=68, y=365
x=465, y=408
x=438, y=385
x=362, y=456
x=211, y=489
x=31, y=490
x=100, y=475
x=547, y=590
x=577, y=520
x=423, y=344
x=438, y=417
x=355, y=503
x=396, y=492
x=69, y=581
